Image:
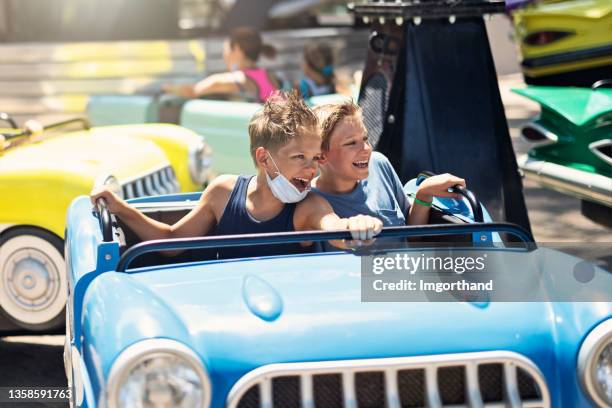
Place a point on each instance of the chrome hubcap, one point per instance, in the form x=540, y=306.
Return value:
x=32, y=279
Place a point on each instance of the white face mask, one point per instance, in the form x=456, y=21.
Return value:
x=283, y=189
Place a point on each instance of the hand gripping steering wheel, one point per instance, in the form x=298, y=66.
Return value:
x=459, y=189
x=106, y=222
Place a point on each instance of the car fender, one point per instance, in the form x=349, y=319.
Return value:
x=42, y=203
x=108, y=329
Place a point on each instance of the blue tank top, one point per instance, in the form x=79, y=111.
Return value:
x=237, y=220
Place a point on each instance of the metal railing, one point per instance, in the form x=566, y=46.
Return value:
x=313, y=236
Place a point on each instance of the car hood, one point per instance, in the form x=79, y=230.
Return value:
x=95, y=152
x=590, y=9
x=577, y=105
x=239, y=315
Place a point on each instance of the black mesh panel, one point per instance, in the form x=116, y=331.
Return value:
x=451, y=383
x=370, y=389
x=328, y=391
x=373, y=101
x=251, y=398
x=411, y=386
x=286, y=392
x=528, y=389
x=491, y=382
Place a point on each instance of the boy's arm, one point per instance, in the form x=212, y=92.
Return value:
x=434, y=186
x=144, y=227
x=315, y=213
x=197, y=222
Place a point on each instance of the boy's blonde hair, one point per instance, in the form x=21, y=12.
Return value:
x=284, y=117
x=330, y=115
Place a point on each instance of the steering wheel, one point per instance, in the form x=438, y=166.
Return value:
x=106, y=222
x=5, y=117
x=471, y=198
x=459, y=189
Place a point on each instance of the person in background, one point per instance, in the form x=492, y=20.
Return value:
x=244, y=78
x=317, y=70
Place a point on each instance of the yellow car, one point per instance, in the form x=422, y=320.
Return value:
x=565, y=42
x=43, y=170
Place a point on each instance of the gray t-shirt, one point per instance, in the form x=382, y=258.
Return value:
x=380, y=195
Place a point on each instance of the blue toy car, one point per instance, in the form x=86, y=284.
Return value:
x=294, y=331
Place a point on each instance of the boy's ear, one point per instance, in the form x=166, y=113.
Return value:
x=323, y=157
x=261, y=157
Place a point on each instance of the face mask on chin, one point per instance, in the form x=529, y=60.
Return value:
x=283, y=189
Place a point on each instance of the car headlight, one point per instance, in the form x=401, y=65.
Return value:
x=111, y=182
x=595, y=364
x=158, y=373
x=200, y=160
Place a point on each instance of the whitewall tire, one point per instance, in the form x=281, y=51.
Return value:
x=32, y=278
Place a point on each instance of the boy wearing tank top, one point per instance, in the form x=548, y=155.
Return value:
x=286, y=148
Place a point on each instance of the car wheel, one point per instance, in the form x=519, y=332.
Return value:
x=32, y=279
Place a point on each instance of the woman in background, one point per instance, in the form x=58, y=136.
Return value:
x=244, y=78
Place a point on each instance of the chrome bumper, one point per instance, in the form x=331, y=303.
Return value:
x=577, y=183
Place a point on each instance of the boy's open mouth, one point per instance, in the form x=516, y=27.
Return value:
x=361, y=164
x=300, y=183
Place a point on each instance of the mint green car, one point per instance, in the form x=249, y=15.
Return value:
x=573, y=145
x=224, y=124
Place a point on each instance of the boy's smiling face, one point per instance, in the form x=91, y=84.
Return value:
x=349, y=151
x=297, y=160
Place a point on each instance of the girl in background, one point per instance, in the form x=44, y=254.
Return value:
x=244, y=78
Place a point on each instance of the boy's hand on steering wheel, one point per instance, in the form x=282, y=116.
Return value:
x=113, y=201
x=438, y=186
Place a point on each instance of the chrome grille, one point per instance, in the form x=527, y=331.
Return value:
x=162, y=181
x=482, y=379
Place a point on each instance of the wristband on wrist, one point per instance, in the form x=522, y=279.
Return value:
x=423, y=203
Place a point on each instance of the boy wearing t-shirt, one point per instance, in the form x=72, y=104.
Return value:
x=356, y=180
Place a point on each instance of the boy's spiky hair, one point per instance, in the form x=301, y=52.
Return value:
x=330, y=115
x=284, y=117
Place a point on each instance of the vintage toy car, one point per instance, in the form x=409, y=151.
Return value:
x=573, y=145
x=40, y=174
x=565, y=42
x=224, y=124
x=292, y=330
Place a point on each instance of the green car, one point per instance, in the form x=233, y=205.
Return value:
x=224, y=124
x=573, y=145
